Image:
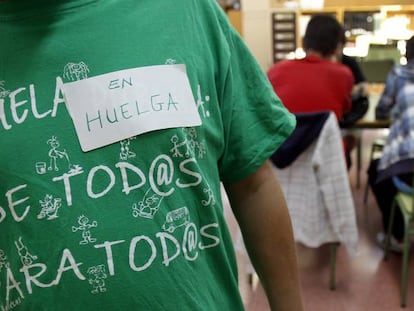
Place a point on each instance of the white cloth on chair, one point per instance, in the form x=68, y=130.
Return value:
x=318, y=194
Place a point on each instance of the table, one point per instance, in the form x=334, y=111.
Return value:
x=368, y=122
x=365, y=124
x=371, y=124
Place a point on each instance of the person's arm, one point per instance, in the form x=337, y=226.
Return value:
x=387, y=99
x=360, y=89
x=260, y=209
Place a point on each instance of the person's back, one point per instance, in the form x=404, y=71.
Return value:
x=315, y=82
x=312, y=84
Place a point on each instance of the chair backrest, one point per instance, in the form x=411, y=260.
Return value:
x=376, y=70
x=308, y=127
x=318, y=193
x=383, y=51
x=407, y=189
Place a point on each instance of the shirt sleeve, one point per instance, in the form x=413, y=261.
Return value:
x=254, y=119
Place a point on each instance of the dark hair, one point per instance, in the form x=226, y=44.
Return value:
x=323, y=34
x=409, y=49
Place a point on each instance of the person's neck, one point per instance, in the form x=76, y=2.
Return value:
x=314, y=53
x=318, y=54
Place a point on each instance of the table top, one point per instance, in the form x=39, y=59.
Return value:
x=371, y=124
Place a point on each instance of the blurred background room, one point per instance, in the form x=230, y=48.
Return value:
x=376, y=31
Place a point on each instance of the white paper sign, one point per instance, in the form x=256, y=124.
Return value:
x=122, y=104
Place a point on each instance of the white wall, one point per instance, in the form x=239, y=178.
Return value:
x=254, y=4
x=256, y=25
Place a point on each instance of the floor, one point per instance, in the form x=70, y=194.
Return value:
x=364, y=282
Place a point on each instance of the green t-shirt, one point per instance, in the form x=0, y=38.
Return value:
x=136, y=224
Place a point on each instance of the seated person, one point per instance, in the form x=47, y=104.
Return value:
x=396, y=103
x=317, y=82
x=361, y=85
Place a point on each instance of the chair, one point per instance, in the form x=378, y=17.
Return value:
x=376, y=70
x=405, y=202
x=316, y=186
x=383, y=51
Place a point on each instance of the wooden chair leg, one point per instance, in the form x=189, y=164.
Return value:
x=404, y=272
x=406, y=251
x=359, y=160
x=332, y=268
x=366, y=193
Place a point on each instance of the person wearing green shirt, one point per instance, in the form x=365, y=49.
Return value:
x=119, y=122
